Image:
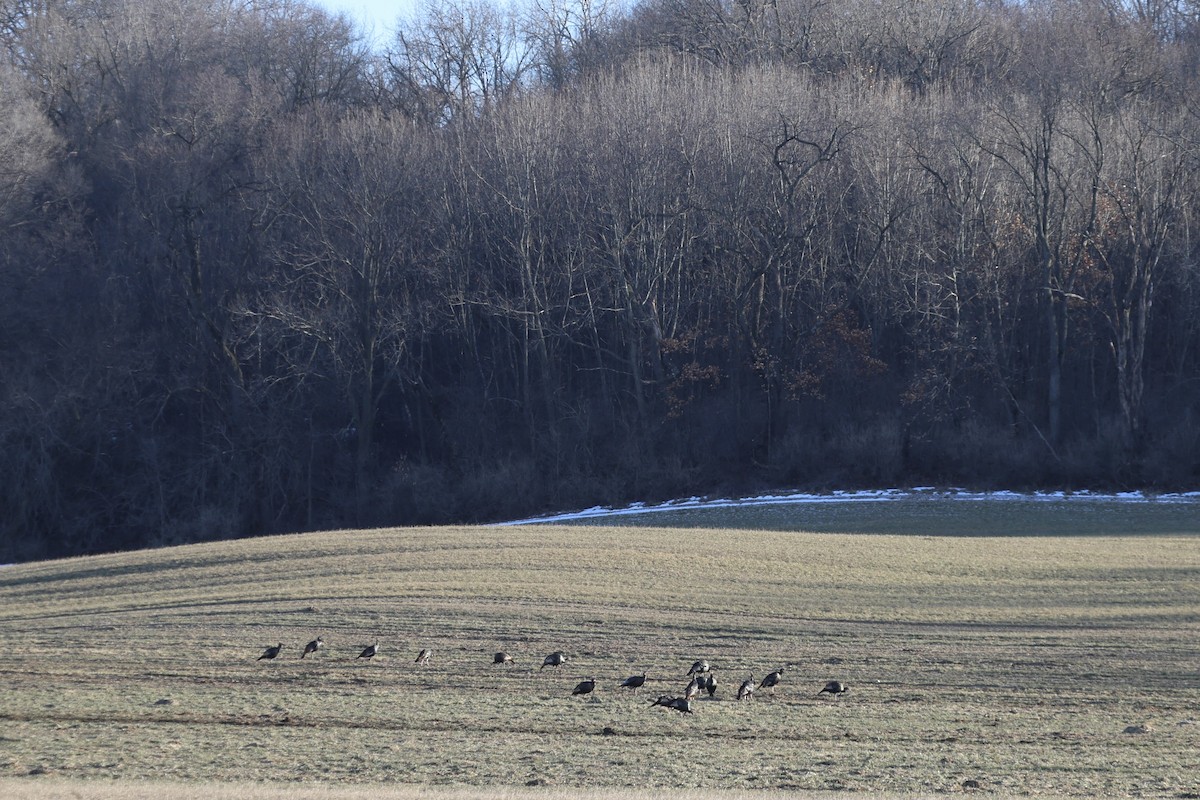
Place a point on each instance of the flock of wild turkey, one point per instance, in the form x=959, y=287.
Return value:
x=702, y=677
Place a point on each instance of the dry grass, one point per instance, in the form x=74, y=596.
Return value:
x=57, y=789
x=1010, y=664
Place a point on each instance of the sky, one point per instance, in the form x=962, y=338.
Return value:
x=381, y=15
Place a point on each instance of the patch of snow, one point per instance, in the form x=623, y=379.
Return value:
x=861, y=496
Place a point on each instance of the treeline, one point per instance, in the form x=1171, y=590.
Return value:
x=258, y=275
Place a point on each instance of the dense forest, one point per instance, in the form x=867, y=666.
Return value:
x=260, y=273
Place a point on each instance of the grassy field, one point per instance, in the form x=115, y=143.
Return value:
x=1011, y=665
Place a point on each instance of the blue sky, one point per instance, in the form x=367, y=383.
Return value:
x=380, y=14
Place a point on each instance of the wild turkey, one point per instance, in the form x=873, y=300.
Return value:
x=271, y=652
x=834, y=687
x=772, y=680
x=502, y=658
x=556, y=659
x=584, y=687
x=634, y=682
x=746, y=690
x=680, y=704
x=693, y=688
x=710, y=684
x=699, y=668
x=313, y=646
x=424, y=656
x=370, y=650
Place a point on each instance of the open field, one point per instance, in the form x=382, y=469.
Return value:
x=53, y=789
x=1011, y=665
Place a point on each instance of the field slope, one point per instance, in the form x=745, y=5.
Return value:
x=1017, y=665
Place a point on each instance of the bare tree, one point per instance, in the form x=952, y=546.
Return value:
x=567, y=38
x=456, y=58
x=47, y=310
x=1139, y=210
x=302, y=54
x=350, y=218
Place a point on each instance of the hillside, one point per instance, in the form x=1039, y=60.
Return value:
x=1021, y=665
x=260, y=272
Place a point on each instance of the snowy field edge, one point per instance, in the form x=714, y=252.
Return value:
x=860, y=496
